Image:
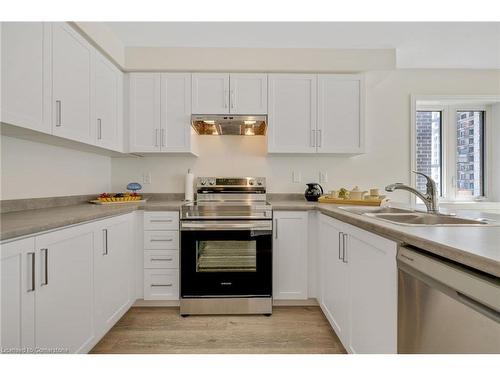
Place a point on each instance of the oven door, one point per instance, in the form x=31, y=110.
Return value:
x=226, y=258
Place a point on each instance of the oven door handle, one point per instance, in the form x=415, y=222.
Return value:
x=226, y=226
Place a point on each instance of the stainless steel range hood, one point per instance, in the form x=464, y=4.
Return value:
x=229, y=124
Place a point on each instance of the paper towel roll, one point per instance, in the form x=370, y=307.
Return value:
x=188, y=187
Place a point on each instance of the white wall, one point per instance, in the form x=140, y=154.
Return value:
x=33, y=170
x=387, y=142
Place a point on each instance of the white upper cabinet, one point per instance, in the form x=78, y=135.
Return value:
x=290, y=255
x=292, y=113
x=72, y=59
x=160, y=112
x=18, y=285
x=229, y=93
x=248, y=94
x=176, y=112
x=340, y=113
x=108, y=97
x=210, y=93
x=144, y=117
x=26, y=75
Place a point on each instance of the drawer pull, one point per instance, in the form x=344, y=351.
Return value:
x=161, y=239
x=161, y=220
x=162, y=259
x=161, y=285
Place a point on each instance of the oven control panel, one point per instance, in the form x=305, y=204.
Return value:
x=221, y=182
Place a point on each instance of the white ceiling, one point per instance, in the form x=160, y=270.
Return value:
x=418, y=44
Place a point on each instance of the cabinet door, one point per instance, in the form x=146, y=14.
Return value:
x=340, y=113
x=72, y=59
x=106, y=97
x=176, y=112
x=248, y=94
x=112, y=271
x=64, y=306
x=372, y=293
x=333, y=300
x=292, y=113
x=26, y=75
x=145, y=112
x=18, y=287
x=290, y=255
x=210, y=93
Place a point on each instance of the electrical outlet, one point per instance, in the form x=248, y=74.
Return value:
x=296, y=177
x=323, y=177
x=146, y=177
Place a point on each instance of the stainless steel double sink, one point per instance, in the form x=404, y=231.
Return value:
x=408, y=217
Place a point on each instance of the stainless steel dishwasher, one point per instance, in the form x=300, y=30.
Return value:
x=444, y=307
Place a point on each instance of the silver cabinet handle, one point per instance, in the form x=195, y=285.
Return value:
x=160, y=220
x=105, y=238
x=341, y=245
x=99, y=128
x=58, y=113
x=232, y=99
x=319, y=138
x=46, y=267
x=163, y=140
x=344, y=248
x=156, y=137
x=276, y=228
x=313, y=136
x=161, y=239
x=162, y=259
x=161, y=284
x=32, y=256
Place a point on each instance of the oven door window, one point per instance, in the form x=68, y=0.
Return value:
x=226, y=256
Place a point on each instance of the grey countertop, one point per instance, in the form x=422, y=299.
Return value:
x=477, y=247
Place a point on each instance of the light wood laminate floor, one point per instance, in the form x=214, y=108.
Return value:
x=162, y=330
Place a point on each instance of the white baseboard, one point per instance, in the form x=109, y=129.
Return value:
x=175, y=303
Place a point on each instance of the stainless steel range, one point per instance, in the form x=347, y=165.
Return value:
x=226, y=248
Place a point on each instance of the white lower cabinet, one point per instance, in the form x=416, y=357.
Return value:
x=372, y=280
x=359, y=286
x=64, y=318
x=290, y=247
x=113, y=270
x=161, y=255
x=60, y=291
x=18, y=287
x=333, y=271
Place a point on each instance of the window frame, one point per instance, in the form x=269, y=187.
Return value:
x=449, y=105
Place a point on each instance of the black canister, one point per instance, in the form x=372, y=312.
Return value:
x=313, y=191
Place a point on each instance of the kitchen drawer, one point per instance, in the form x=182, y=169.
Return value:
x=161, y=259
x=161, y=220
x=161, y=240
x=161, y=284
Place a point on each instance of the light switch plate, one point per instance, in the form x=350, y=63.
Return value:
x=323, y=177
x=296, y=177
x=146, y=177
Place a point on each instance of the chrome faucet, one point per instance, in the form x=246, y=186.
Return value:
x=429, y=198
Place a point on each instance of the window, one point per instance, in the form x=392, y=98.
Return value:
x=471, y=184
x=449, y=145
x=429, y=150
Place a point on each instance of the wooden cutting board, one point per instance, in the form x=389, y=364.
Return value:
x=359, y=202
